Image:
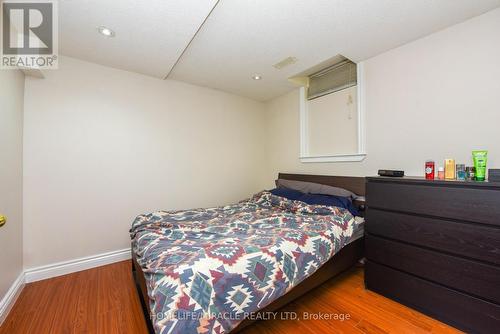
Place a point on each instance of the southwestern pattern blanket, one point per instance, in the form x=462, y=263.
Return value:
x=208, y=269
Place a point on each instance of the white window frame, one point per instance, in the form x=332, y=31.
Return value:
x=303, y=115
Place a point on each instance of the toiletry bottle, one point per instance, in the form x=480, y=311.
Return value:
x=449, y=169
x=470, y=173
x=461, y=175
x=480, y=159
x=441, y=173
x=429, y=170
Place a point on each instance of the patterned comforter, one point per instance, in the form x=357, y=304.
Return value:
x=208, y=269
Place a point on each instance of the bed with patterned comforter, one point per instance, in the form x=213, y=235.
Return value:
x=208, y=269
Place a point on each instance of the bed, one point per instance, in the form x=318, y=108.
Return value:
x=212, y=270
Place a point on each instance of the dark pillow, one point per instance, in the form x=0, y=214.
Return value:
x=287, y=193
x=329, y=200
x=316, y=188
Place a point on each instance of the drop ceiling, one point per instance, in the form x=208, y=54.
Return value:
x=150, y=35
x=225, y=46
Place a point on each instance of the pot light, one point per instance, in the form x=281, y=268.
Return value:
x=106, y=31
x=256, y=77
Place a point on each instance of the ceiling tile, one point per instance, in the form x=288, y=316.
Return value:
x=247, y=37
x=244, y=38
x=150, y=35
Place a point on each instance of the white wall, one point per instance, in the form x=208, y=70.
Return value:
x=435, y=98
x=104, y=145
x=11, y=183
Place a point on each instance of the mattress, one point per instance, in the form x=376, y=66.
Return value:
x=208, y=269
x=358, y=230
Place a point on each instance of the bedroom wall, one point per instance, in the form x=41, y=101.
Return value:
x=434, y=98
x=104, y=145
x=11, y=150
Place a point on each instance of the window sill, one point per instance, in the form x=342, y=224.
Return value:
x=335, y=158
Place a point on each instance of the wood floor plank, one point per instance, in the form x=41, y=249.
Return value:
x=85, y=319
x=104, y=300
x=385, y=305
x=369, y=328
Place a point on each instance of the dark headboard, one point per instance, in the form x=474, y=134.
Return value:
x=353, y=183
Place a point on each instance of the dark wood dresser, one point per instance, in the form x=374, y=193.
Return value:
x=435, y=246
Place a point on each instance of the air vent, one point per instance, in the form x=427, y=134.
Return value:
x=285, y=62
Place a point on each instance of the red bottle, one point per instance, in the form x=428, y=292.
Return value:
x=429, y=170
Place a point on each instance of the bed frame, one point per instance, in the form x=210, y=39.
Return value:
x=346, y=258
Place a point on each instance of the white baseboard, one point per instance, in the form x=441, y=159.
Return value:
x=11, y=296
x=57, y=269
x=71, y=266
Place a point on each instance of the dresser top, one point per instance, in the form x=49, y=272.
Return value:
x=422, y=181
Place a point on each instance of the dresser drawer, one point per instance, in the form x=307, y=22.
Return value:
x=479, y=204
x=473, y=241
x=481, y=280
x=458, y=309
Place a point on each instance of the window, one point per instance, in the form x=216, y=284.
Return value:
x=331, y=118
x=332, y=79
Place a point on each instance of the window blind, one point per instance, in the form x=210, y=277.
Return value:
x=332, y=79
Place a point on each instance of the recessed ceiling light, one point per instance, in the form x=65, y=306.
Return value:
x=106, y=31
x=256, y=77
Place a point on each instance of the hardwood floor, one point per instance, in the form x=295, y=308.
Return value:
x=104, y=300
